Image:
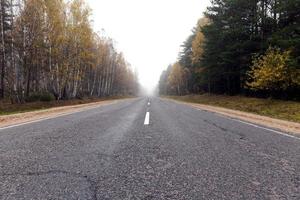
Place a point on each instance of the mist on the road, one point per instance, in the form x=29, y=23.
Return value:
x=149, y=33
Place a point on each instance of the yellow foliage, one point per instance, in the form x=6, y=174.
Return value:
x=178, y=78
x=197, y=44
x=273, y=71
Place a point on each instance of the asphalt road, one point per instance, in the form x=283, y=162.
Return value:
x=184, y=153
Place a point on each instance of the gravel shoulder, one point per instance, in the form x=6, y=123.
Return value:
x=292, y=128
x=184, y=153
x=20, y=118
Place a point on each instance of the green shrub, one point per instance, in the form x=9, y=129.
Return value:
x=40, y=96
x=47, y=97
x=33, y=97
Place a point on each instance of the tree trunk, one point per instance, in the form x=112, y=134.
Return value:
x=94, y=83
x=28, y=82
x=3, y=53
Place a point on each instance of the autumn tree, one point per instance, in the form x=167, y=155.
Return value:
x=232, y=39
x=219, y=53
x=6, y=27
x=163, y=81
x=274, y=71
x=49, y=48
x=177, y=80
x=199, y=41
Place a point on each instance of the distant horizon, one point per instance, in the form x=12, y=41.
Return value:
x=133, y=22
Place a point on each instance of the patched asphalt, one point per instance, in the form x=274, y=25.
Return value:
x=184, y=153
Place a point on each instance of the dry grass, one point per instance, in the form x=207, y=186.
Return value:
x=286, y=110
x=7, y=108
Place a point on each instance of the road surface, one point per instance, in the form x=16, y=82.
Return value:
x=117, y=152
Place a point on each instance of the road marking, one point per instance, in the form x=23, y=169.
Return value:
x=267, y=129
x=148, y=103
x=257, y=126
x=147, y=119
x=30, y=122
x=247, y=123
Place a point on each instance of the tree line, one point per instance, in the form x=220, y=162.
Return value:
x=249, y=47
x=48, y=47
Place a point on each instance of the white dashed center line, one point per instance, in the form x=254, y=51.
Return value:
x=147, y=118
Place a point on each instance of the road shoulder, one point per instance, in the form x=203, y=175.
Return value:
x=28, y=117
x=291, y=128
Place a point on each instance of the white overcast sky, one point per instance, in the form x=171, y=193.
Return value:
x=148, y=32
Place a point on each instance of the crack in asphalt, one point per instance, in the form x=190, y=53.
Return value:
x=109, y=154
x=241, y=136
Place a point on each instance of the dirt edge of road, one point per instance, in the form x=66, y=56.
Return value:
x=291, y=128
x=27, y=117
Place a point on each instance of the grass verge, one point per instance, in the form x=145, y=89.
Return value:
x=7, y=108
x=286, y=110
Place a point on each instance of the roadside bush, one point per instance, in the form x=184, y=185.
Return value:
x=47, y=97
x=43, y=96
x=274, y=71
x=32, y=97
